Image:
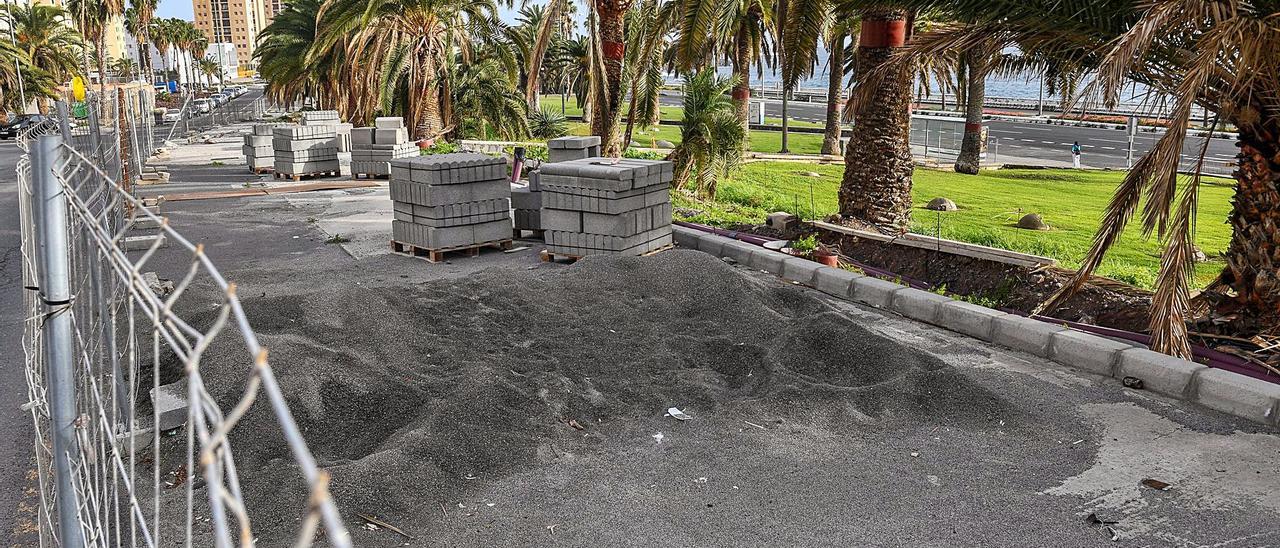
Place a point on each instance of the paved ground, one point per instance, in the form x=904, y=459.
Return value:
x=1031, y=142
x=15, y=424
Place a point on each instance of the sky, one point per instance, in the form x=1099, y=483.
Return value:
x=183, y=9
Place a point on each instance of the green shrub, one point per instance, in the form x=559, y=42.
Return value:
x=545, y=123
x=440, y=147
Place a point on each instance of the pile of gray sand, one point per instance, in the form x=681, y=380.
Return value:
x=408, y=394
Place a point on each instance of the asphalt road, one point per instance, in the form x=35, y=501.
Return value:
x=1026, y=141
x=15, y=424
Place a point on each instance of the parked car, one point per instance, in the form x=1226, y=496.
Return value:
x=204, y=106
x=18, y=123
x=171, y=115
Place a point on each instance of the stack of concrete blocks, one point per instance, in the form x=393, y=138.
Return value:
x=373, y=148
x=258, y=152
x=305, y=150
x=453, y=201
x=606, y=206
x=567, y=149
x=526, y=205
x=341, y=130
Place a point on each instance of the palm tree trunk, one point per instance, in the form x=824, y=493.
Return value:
x=101, y=47
x=429, y=121
x=835, y=82
x=1253, y=257
x=876, y=189
x=962, y=80
x=975, y=94
x=604, y=119
x=742, y=91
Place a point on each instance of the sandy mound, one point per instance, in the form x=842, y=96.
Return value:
x=407, y=393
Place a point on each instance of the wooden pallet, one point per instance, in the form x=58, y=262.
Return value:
x=438, y=255
x=548, y=256
x=261, y=170
x=299, y=176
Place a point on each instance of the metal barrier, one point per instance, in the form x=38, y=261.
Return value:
x=96, y=331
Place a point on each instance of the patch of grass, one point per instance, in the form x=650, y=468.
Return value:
x=216, y=163
x=761, y=141
x=666, y=112
x=1072, y=202
x=337, y=239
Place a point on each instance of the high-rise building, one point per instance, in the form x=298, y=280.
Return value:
x=233, y=22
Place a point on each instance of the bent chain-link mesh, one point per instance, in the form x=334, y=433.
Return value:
x=123, y=329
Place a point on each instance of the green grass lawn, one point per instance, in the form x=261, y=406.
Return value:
x=990, y=204
x=761, y=141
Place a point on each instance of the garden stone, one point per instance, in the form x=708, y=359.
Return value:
x=663, y=144
x=941, y=204
x=1032, y=221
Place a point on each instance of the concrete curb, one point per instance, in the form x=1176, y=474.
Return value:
x=1216, y=389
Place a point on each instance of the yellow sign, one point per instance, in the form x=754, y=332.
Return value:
x=77, y=88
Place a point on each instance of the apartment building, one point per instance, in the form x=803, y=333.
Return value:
x=234, y=22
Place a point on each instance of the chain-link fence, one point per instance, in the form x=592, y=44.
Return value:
x=99, y=327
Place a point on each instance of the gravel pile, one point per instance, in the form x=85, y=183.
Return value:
x=408, y=394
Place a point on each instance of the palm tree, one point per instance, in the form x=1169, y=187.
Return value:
x=162, y=34
x=646, y=39
x=609, y=49
x=405, y=46
x=837, y=68
x=548, y=26
x=485, y=103
x=15, y=61
x=283, y=53
x=196, y=45
x=710, y=135
x=209, y=68
x=1220, y=56
x=124, y=67
x=49, y=44
x=741, y=29
x=91, y=17
x=138, y=22
x=876, y=188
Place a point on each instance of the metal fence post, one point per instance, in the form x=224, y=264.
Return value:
x=57, y=338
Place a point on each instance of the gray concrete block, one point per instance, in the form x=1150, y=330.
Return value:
x=1238, y=395
x=523, y=198
x=310, y=155
x=361, y=136
x=612, y=203
x=300, y=145
x=768, y=260
x=835, y=281
x=1025, y=334
x=267, y=130
x=610, y=244
x=707, y=242
x=739, y=251
x=388, y=122
x=258, y=152
x=1160, y=373
x=686, y=238
x=303, y=132
x=390, y=136
x=1087, y=351
x=428, y=237
x=138, y=243
x=874, y=291
x=973, y=320
x=574, y=142
x=528, y=219
x=800, y=269
x=433, y=195
x=257, y=140
x=562, y=220
x=170, y=403
x=918, y=304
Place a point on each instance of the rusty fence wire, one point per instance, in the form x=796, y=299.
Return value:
x=97, y=326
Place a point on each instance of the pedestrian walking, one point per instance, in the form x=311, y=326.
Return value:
x=1075, y=154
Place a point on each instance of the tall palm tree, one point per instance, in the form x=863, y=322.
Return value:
x=1220, y=55
x=549, y=25
x=837, y=68
x=283, y=53
x=484, y=102
x=162, y=34
x=405, y=46
x=50, y=45
x=876, y=188
x=710, y=135
x=15, y=61
x=92, y=18
x=646, y=39
x=608, y=32
x=138, y=19
x=739, y=29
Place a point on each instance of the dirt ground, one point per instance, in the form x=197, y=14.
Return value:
x=499, y=401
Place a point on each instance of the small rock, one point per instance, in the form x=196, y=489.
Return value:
x=1032, y=221
x=1199, y=256
x=781, y=220
x=941, y=204
x=162, y=287
x=809, y=173
x=660, y=143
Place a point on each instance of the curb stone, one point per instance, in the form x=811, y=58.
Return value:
x=1238, y=395
x=1217, y=389
x=1160, y=373
x=800, y=269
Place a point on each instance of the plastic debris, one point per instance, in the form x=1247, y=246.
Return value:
x=658, y=437
x=676, y=413
x=1132, y=382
